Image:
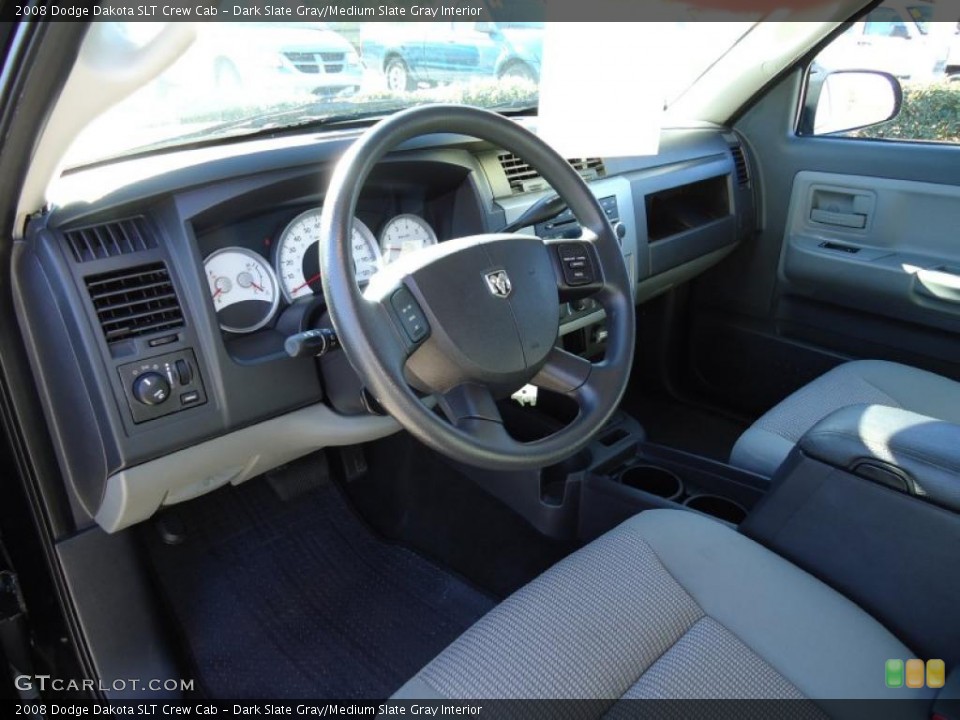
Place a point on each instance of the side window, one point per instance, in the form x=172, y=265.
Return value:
x=908, y=41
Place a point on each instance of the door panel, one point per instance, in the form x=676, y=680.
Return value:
x=872, y=244
x=796, y=299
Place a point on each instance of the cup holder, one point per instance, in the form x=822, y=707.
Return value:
x=653, y=480
x=719, y=507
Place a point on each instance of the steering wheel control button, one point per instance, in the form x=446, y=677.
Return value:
x=148, y=385
x=151, y=388
x=411, y=317
x=576, y=265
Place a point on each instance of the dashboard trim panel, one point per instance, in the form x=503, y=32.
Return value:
x=136, y=493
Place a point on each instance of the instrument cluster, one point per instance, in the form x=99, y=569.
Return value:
x=246, y=286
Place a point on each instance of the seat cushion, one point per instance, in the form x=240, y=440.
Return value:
x=671, y=604
x=766, y=444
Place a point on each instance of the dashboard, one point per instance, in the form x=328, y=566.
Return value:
x=157, y=297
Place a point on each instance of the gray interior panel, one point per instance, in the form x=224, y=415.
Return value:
x=135, y=493
x=868, y=242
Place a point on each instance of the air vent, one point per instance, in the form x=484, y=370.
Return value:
x=523, y=178
x=109, y=240
x=740, y=164
x=135, y=301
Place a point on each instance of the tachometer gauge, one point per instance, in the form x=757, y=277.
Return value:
x=297, y=258
x=404, y=234
x=243, y=288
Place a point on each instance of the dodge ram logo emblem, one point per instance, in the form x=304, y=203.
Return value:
x=498, y=282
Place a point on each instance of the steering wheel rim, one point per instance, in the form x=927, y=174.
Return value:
x=372, y=335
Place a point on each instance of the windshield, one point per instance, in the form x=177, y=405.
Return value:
x=244, y=78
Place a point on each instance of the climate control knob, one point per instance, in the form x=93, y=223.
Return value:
x=151, y=388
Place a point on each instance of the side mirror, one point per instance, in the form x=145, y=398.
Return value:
x=854, y=99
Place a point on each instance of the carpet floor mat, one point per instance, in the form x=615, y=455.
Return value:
x=297, y=598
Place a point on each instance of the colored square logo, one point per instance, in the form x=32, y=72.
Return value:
x=894, y=673
x=915, y=673
x=936, y=673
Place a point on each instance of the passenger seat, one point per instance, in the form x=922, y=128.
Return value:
x=766, y=444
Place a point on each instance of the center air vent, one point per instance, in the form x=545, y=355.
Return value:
x=523, y=178
x=109, y=240
x=135, y=301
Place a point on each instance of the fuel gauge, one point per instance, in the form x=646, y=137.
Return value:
x=243, y=288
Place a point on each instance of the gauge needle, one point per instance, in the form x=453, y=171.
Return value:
x=218, y=292
x=298, y=288
x=257, y=286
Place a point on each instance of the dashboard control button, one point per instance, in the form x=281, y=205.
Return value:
x=165, y=340
x=154, y=387
x=411, y=317
x=184, y=372
x=151, y=388
x=189, y=398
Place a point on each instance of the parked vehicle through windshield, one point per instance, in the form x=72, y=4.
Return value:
x=301, y=73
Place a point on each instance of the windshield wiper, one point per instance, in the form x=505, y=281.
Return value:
x=287, y=118
x=516, y=107
x=304, y=115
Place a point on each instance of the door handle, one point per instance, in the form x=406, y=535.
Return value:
x=942, y=283
x=840, y=219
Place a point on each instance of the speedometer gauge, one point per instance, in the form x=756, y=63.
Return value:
x=243, y=288
x=297, y=258
x=404, y=234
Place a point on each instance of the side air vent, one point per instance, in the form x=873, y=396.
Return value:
x=111, y=239
x=523, y=178
x=740, y=163
x=135, y=301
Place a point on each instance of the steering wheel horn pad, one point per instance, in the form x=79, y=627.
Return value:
x=490, y=305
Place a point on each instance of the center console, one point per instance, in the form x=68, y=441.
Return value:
x=618, y=475
x=631, y=474
x=869, y=503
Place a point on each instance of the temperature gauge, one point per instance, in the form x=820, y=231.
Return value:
x=243, y=288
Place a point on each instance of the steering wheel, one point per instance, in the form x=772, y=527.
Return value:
x=474, y=319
